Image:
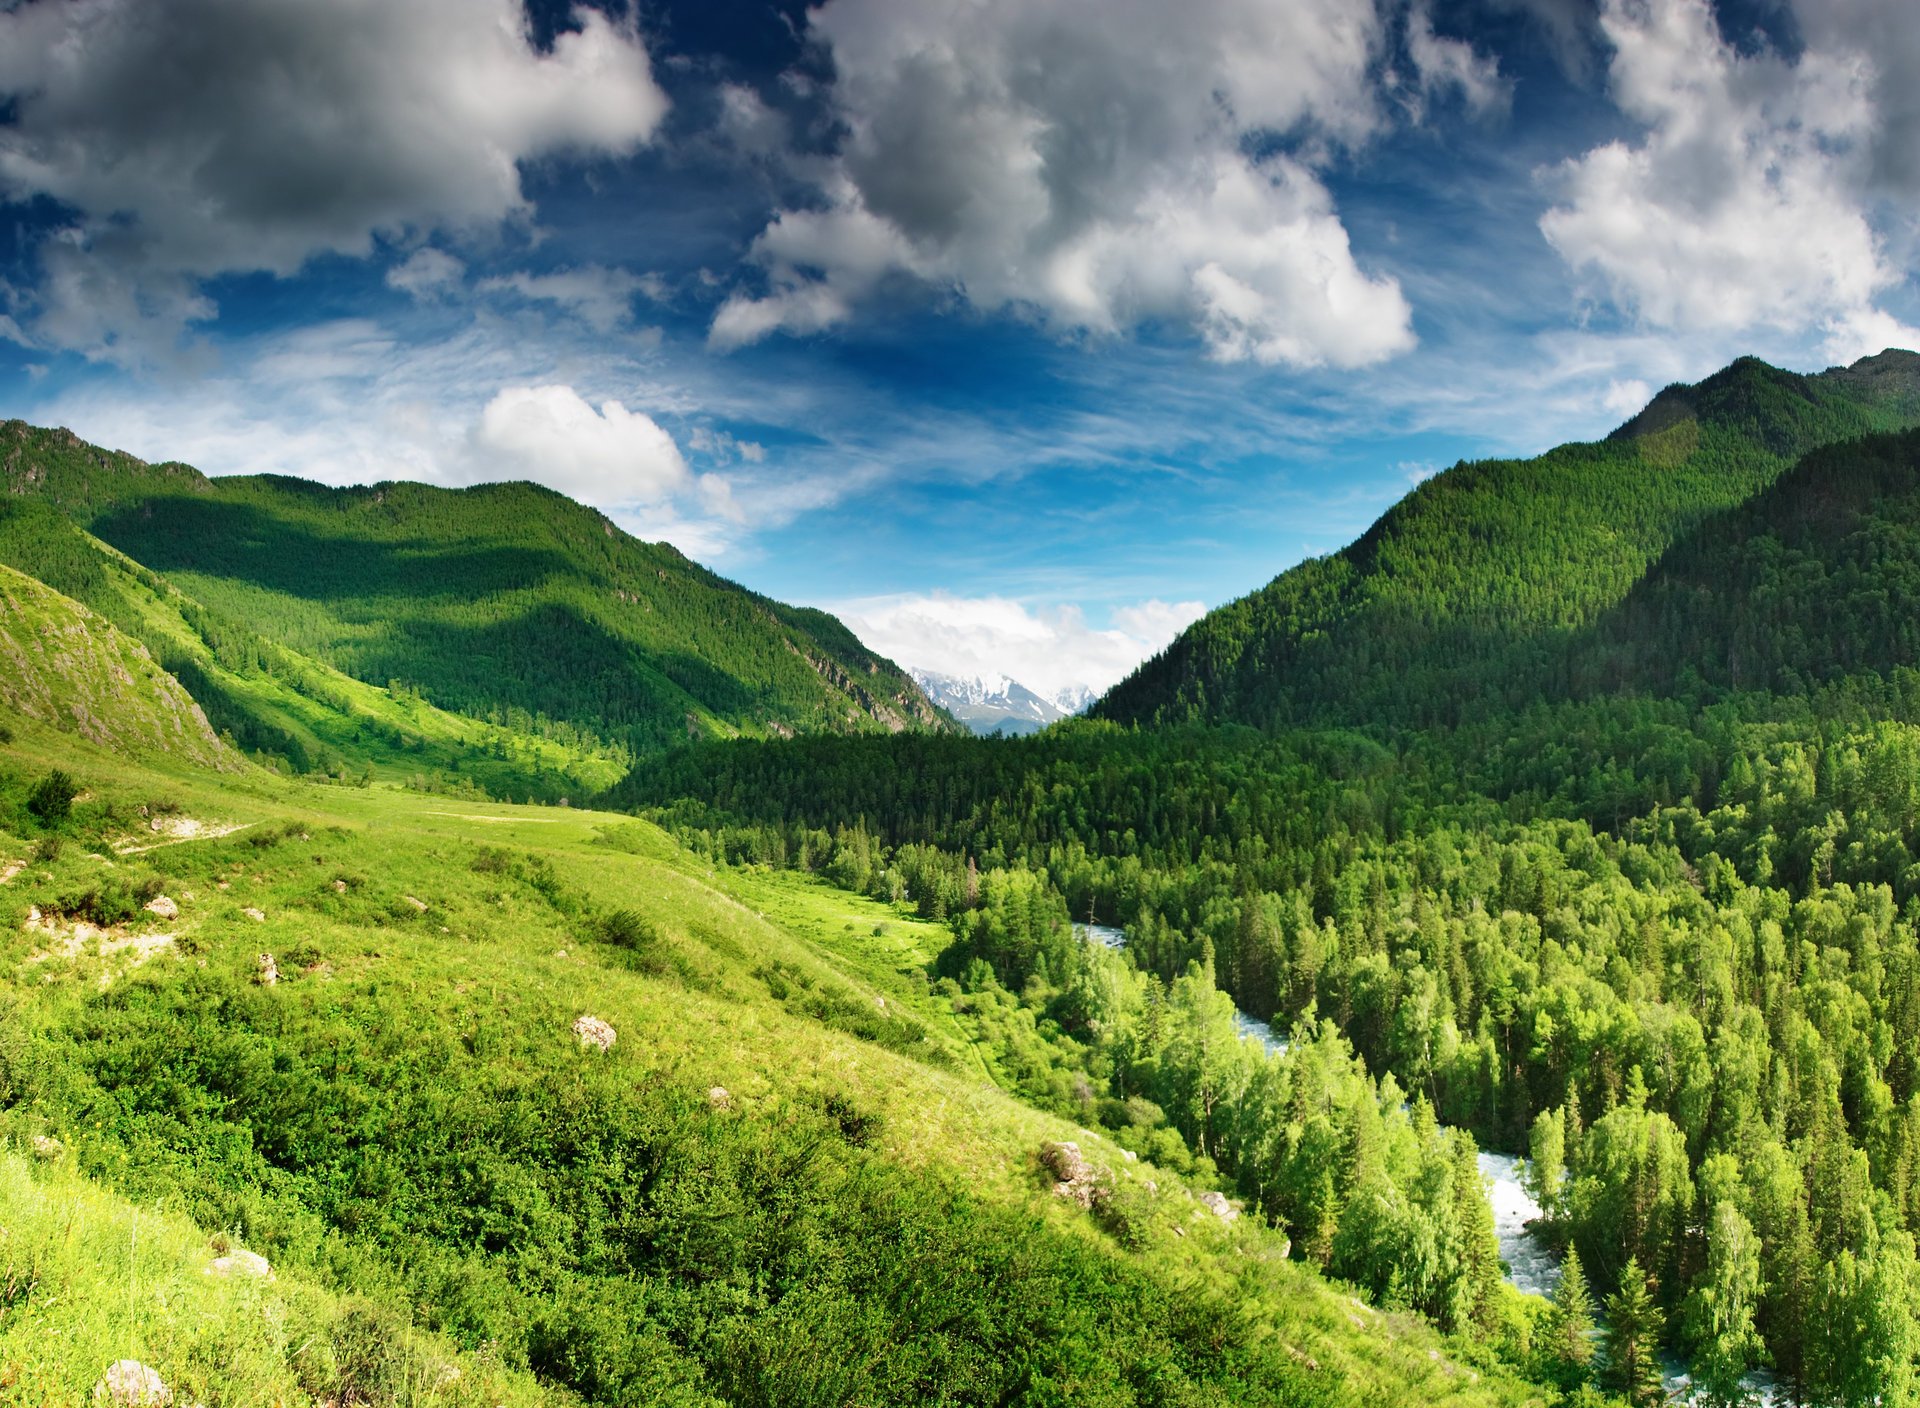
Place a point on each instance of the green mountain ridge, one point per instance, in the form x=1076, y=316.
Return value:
x=506, y=603
x=1472, y=585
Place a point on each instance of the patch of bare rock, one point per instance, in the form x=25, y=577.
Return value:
x=130, y=1384
x=594, y=1032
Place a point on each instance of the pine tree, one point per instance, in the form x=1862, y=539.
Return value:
x=1632, y=1367
x=1570, y=1323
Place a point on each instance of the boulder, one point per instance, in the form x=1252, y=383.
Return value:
x=594, y=1032
x=163, y=907
x=718, y=1098
x=1075, y=1179
x=45, y=1146
x=419, y=904
x=241, y=1263
x=1217, y=1204
x=257, y=916
x=130, y=1384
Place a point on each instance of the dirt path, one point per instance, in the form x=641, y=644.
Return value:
x=183, y=830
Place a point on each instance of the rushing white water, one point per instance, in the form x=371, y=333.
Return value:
x=1530, y=1266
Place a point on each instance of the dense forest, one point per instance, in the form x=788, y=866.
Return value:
x=1646, y=912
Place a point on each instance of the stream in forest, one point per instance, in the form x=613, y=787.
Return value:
x=1530, y=1263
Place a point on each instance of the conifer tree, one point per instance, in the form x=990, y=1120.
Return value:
x=1570, y=1323
x=1632, y=1367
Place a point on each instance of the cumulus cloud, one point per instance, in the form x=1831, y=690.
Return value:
x=608, y=456
x=600, y=297
x=1097, y=167
x=201, y=137
x=1742, y=205
x=1048, y=649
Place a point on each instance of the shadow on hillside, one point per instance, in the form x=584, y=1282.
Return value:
x=246, y=542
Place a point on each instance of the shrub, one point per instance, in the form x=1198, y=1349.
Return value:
x=51, y=798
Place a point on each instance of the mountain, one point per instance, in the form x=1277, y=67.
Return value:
x=1074, y=699
x=996, y=705
x=1815, y=580
x=505, y=603
x=1469, y=589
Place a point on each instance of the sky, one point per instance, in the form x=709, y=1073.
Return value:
x=1016, y=332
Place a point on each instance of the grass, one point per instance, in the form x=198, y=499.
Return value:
x=406, y=1124
x=88, y=1278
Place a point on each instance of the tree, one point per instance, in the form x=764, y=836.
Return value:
x=1719, y=1312
x=1632, y=1367
x=1548, y=1166
x=1570, y=1322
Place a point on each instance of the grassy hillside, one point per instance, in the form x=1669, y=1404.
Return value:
x=62, y=665
x=1469, y=587
x=285, y=709
x=506, y=602
x=792, y=1179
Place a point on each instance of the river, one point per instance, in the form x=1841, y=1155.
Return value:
x=1530, y=1264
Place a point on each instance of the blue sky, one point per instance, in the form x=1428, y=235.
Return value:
x=1017, y=331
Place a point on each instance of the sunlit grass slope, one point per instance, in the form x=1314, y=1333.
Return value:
x=792, y=1178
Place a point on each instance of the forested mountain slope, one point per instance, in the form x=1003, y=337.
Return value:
x=503, y=602
x=1813, y=580
x=1470, y=587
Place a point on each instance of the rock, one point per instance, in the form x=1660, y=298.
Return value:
x=1220, y=1207
x=257, y=916
x=594, y=1032
x=1075, y=1179
x=719, y=1099
x=45, y=1146
x=418, y=904
x=163, y=907
x=241, y=1263
x=559, y=953
x=129, y=1383
x=269, y=971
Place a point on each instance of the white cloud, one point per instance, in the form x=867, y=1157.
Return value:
x=1742, y=204
x=1626, y=398
x=427, y=273
x=208, y=136
x=1093, y=166
x=612, y=456
x=1048, y=649
x=600, y=297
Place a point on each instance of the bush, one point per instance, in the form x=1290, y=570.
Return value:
x=51, y=798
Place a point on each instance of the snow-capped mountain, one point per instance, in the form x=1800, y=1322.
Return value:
x=997, y=704
x=1074, y=699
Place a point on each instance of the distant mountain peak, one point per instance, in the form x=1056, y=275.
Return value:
x=999, y=703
